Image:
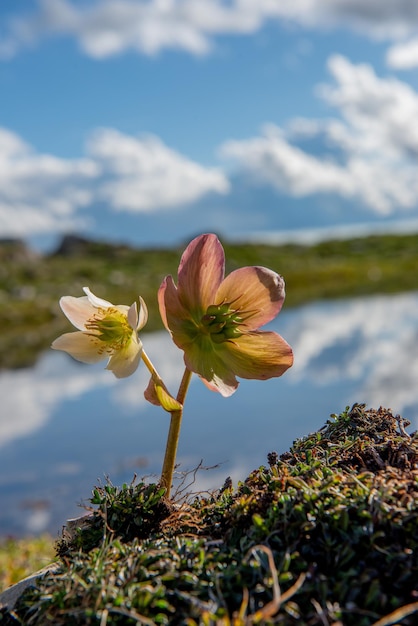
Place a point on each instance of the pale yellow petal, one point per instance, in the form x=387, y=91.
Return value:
x=142, y=314
x=81, y=347
x=98, y=303
x=132, y=316
x=78, y=310
x=124, y=362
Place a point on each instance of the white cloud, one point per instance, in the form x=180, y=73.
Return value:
x=141, y=174
x=391, y=19
x=368, y=154
x=379, y=111
x=271, y=158
x=41, y=193
x=404, y=55
x=107, y=28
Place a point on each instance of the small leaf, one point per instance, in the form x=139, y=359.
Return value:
x=157, y=393
x=166, y=399
x=258, y=521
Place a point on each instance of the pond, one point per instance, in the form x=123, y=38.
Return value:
x=66, y=426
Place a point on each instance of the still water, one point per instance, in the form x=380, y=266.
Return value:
x=64, y=426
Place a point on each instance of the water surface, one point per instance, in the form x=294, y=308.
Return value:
x=64, y=426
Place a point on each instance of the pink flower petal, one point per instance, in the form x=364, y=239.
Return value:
x=168, y=301
x=257, y=355
x=256, y=291
x=226, y=387
x=201, y=271
x=150, y=394
x=81, y=347
x=201, y=358
x=175, y=317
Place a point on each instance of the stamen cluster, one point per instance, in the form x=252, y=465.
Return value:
x=111, y=327
x=222, y=322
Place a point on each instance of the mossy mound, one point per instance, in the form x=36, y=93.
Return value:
x=325, y=534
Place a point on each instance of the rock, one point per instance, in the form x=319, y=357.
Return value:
x=16, y=250
x=10, y=596
x=72, y=245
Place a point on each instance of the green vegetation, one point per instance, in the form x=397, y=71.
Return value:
x=30, y=285
x=21, y=557
x=324, y=534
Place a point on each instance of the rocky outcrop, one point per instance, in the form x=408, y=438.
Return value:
x=16, y=250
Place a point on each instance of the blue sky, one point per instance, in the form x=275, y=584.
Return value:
x=151, y=121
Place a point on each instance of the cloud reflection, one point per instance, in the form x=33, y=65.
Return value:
x=30, y=395
x=372, y=342
x=64, y=424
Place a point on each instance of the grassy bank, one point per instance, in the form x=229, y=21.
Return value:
x=30, y=285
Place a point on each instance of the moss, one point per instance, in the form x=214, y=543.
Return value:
x=326, y=533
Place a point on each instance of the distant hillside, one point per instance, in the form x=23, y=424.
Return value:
x=31, y=284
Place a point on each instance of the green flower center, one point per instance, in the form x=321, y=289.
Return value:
x=221, y=322
x=111, y=327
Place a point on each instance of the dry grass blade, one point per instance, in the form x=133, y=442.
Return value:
x=395, y=616
x=279, y=598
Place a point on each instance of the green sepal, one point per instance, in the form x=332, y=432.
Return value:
x=166, y=400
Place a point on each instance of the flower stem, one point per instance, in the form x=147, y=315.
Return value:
x=173, y=435
x=148, y=363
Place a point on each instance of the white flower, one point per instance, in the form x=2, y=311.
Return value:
x=104, y=331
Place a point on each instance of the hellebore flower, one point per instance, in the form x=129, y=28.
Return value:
x=105, y=331
x=215, y=320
